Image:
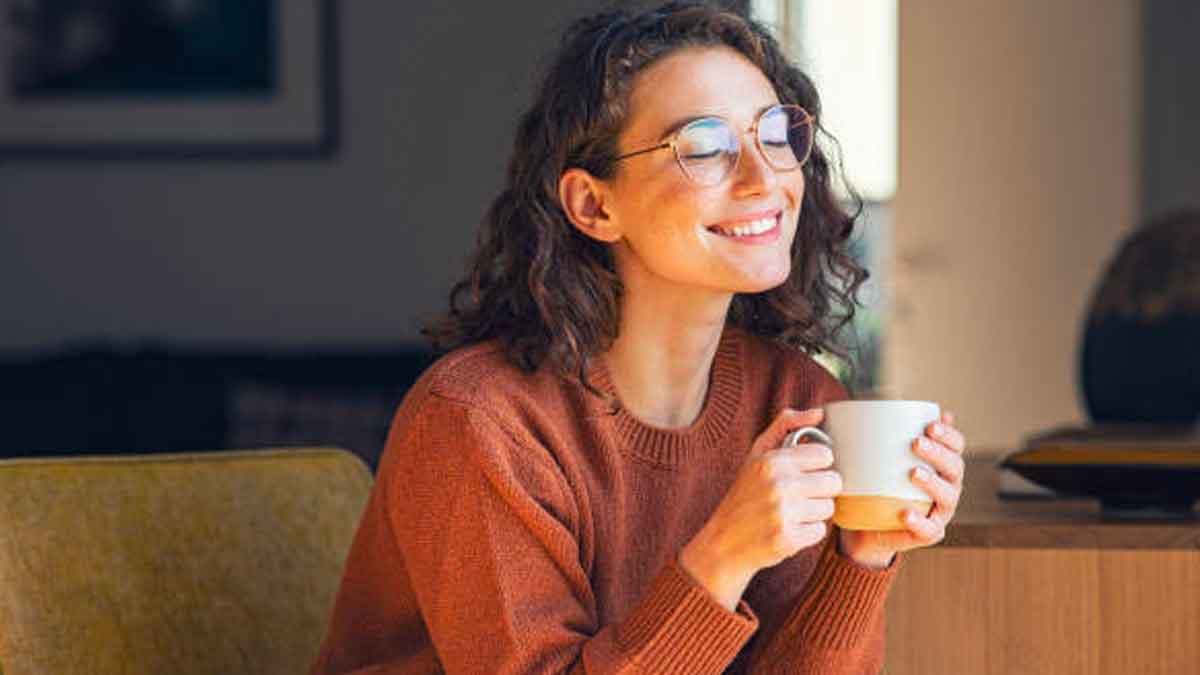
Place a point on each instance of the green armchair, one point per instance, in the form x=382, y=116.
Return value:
x=216, y=562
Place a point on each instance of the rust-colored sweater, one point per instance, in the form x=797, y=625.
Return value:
x=519, y=524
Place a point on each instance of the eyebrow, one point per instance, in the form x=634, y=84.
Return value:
x=679, y=124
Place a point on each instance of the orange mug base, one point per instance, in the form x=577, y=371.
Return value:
x=873, y=512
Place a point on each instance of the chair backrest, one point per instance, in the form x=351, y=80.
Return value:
x=221, y=562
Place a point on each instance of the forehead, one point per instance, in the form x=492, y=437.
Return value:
x=696, y=81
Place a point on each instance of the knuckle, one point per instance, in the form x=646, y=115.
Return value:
x=765, y=469
x=811, y=533
x=822, y=455
x=777, y=523
x=959, y=466
x=947, y=495
x=835, y=482
x=785, y=417
x=807, y=455
x=783, y=545
x=825, y=483
x=774, y=496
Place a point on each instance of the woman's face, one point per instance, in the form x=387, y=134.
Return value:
x=676, y=232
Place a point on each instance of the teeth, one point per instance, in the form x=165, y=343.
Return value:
x=752, y=228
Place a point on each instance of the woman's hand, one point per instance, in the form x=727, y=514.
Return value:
x=777, y=505
x=942, y=447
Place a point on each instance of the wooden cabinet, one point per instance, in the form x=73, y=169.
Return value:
x=1047, y=587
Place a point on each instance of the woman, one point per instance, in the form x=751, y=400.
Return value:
x=592, y=480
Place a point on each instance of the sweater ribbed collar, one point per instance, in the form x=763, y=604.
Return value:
x=671, y=447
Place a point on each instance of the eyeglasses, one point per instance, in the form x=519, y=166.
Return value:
x=708, y=148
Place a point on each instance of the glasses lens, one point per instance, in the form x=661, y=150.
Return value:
x=707, y=148
x=785, y=134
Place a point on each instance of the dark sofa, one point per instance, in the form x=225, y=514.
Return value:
x=101, y=399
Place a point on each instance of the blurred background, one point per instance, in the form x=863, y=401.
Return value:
x=223, y=223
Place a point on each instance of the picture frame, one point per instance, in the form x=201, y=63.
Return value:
x=271, y=95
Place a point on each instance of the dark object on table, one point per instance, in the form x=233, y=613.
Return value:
x=1140, y=361
x=1134, y=470
x=103, y=400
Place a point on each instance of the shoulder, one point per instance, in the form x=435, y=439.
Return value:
x=467, y=374
x=473, y=412
x=479, y=387
x=482, y=376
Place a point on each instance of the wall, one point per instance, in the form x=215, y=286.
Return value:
x=356, y=249
x=1019, y=172
x=1170, y=127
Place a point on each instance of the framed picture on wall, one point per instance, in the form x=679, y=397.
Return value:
x=131, y=79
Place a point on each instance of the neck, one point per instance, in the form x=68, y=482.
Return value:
x=663, y=354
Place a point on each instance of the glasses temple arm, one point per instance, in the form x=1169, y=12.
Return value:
x=643, y=151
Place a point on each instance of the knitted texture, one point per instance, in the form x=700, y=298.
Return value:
x=520, y=524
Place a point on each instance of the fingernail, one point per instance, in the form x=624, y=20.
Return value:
x=937, y=430
x=922, y=474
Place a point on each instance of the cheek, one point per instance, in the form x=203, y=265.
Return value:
x=794, y=186
x=664, y=208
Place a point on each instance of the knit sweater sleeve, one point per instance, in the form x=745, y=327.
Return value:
x=836, y=623
x=489, y=530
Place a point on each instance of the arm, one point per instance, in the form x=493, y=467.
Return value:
x=489, y=533
x=835, y=623
x=827, y=615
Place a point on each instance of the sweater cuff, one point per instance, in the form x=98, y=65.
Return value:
x=843, y=599
x=680, y=628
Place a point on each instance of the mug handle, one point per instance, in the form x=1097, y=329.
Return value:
x=796, y=437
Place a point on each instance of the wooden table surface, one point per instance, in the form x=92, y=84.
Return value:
x=1047, y=586
x=985, y=520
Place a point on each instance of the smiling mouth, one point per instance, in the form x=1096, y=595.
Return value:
x=754, y=229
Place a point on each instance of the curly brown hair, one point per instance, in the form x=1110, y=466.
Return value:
x=551, y=295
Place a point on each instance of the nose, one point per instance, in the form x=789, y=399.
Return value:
x=753, y=175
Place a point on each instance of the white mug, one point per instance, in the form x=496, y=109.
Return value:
x=872, y=450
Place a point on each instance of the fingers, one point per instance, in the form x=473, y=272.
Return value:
x=805, y=471
x=942, y=447
x=945, y=496
x=800, y=535
x=927, y=531
x=948, y=435
x=810, y=510
x=819, y=484
x=804, y=457
x=783, y=424
x=946, y=462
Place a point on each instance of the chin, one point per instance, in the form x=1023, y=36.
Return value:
x=766, y=279
x=760, y=285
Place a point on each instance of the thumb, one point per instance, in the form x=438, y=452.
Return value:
x=788, y=420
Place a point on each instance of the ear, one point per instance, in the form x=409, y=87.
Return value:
x=583, y=200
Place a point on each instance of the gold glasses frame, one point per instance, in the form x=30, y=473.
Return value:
x=672, y=141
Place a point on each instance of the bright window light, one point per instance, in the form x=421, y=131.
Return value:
x=849, y=49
